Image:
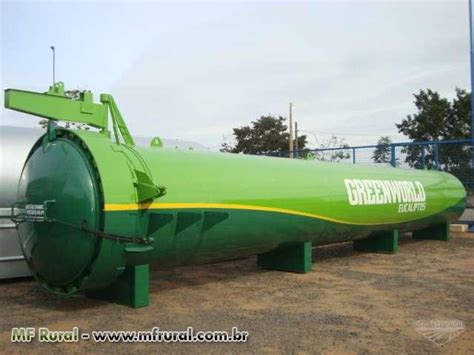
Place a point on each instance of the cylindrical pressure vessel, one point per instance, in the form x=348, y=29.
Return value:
x=15, y=143
x=88, y=214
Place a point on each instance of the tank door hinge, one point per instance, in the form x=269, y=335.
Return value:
x=146, y=188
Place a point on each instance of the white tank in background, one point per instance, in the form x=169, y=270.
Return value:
x=15, y=143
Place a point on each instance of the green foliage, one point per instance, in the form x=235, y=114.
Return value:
x=306, y=155
x=265, y=136
x=382, y=152
x=334, y=155
x=439, y=119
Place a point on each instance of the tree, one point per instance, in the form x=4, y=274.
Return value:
x=382, y=152
x=335, y=150
x=266, y=136
x=439, y=119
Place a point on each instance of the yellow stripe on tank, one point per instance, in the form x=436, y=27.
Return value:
x=202, y=205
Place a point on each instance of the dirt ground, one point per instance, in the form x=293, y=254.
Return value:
x=351, y=302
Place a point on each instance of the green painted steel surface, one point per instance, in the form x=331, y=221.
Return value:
x=59, y=181
x=55, y=104
x=293, y=257
x=380, y=241
x=216, y=207
x=109, y=209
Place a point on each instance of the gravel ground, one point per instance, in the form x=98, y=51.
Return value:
x=351, y=302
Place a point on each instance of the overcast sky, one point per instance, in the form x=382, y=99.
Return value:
x=195, y=70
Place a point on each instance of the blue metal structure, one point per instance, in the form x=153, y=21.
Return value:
x=392, y=147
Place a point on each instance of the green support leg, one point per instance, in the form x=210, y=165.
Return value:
x=293, y=257
x=382, y=241
x=130, y=289
x=436, y=232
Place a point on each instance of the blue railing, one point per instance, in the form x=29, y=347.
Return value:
x=454, y=156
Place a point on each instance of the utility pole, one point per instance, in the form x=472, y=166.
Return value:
x=471, y=51
x=471, y=47
x=291, y=131
x=54, y=65
x=296, y=140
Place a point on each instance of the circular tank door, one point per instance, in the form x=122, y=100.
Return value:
x=59, y=191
